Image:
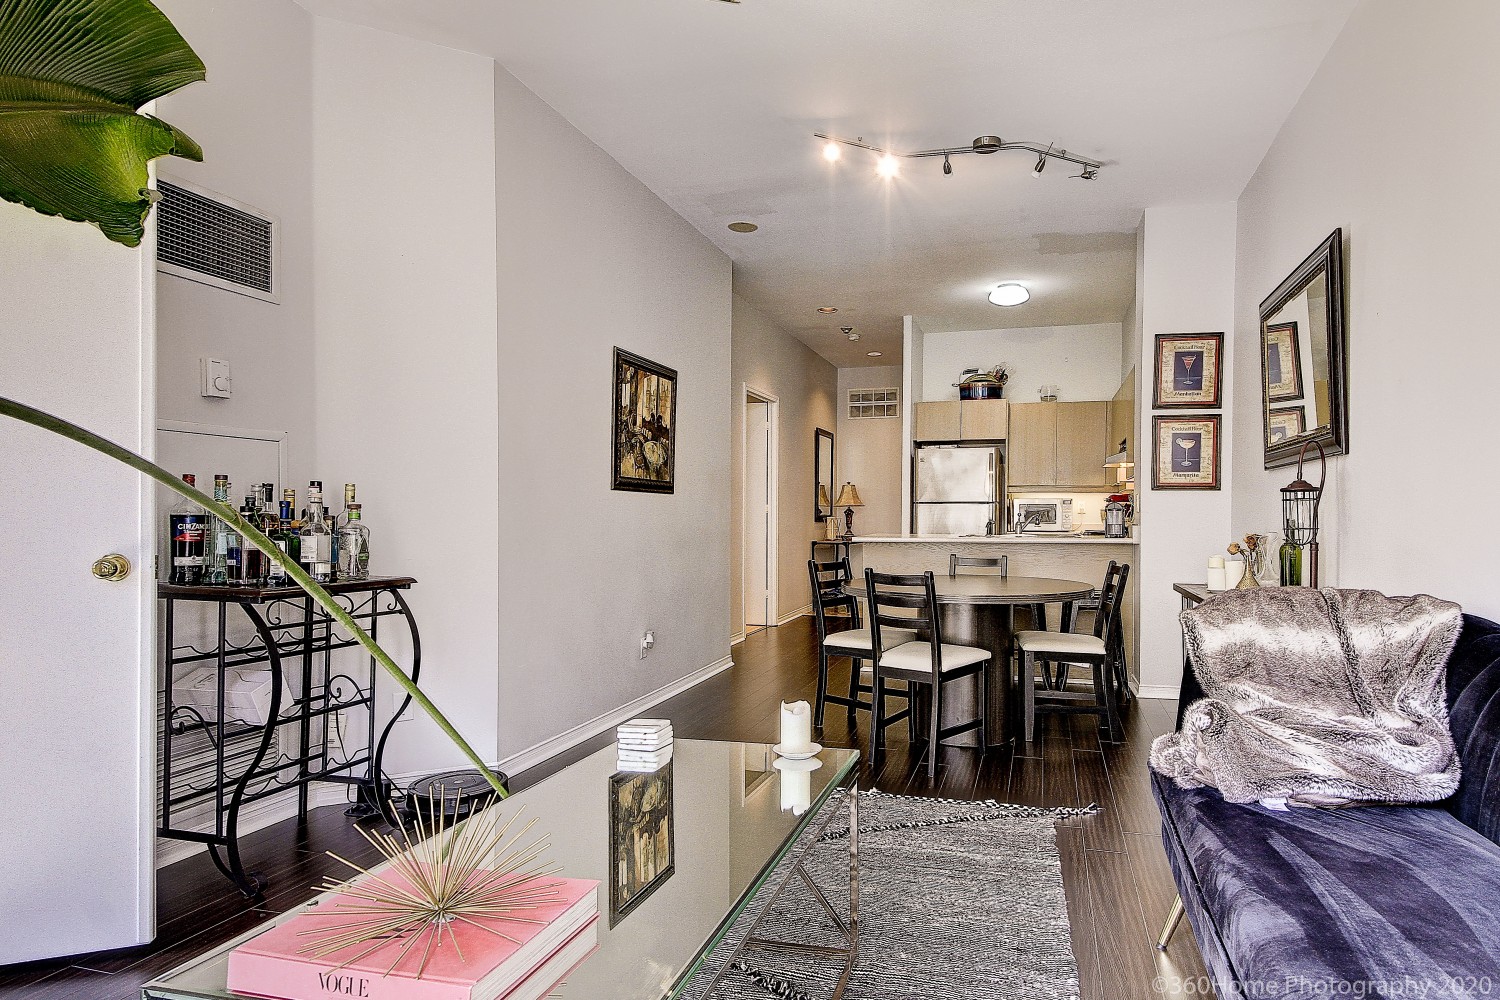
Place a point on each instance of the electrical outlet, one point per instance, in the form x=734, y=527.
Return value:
x=648, y=640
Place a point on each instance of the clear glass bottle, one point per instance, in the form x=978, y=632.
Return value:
x=253, y=561
x=354, y=546
x=224, y=544
x=316, y=540
x=187, y=539
x=287, y=540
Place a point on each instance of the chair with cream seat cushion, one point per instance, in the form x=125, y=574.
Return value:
x=901, y=604
x=828, y=580
x=1098, y=650
x=969, y=564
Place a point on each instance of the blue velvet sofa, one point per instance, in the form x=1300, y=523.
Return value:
x=1375, y=901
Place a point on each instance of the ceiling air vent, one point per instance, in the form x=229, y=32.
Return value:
x=206, y=237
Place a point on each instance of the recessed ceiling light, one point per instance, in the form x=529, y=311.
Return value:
x=1009, y=293
x=743, y=227
x=828, y=310
x=872, y=354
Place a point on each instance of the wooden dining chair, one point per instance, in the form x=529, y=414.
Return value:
x=957, y=562
x=924, y=661
x=828, y=581
x=1097, y=649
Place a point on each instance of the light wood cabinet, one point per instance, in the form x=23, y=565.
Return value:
x=1058, y=445
x=985, y=419
x=1122, y=418
x=1031, y=449
x=941, y=421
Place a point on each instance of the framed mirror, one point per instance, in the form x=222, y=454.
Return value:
x=822, y=474
x=1303, y=350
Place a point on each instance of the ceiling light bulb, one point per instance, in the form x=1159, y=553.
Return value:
x=1009, y=293
x=887, y=167
x=831, y=152
x=1041, y=164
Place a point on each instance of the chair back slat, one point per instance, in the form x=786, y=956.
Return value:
x=1111, y=595
x=956, y=562
x=828, y=580
x=924, y=621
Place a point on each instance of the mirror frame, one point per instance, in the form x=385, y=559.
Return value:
x=818, y=435
x=1328, y=258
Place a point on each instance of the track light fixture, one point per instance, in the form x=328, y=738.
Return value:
x=888, y=165
x=848, y=331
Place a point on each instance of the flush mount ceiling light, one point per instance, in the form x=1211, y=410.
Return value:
x=1009, y=293
x=828, y=310
x=743, y=227
x=889, y=163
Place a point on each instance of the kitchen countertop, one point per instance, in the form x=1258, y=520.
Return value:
x=1032, y=538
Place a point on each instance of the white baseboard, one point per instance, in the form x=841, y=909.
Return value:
x=737, y=638
x=255, y=816
x=806, y=609
x=1170, y=691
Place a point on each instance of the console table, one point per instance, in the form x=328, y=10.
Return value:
x=230, y=754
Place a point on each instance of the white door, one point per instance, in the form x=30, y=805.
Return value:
x=77, y=713
x=757, y=513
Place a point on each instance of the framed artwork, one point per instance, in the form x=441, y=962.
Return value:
x=644, y=455
x=1185, y=453
x=1285, y=422
x=1283, y=362
x=1189, y=369
x=642, y=852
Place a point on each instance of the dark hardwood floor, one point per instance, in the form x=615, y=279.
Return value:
x=1119, y=887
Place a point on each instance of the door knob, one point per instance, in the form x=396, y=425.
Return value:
x=113, y=567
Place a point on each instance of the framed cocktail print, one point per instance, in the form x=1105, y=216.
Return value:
x=1285, y=422
x=643, y=458
x=1185, y=453
x=1283, y=362
x=1189, y=369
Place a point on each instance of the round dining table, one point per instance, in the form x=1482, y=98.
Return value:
x=977, y=610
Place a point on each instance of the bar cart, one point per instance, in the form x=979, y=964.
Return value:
x=218, y=749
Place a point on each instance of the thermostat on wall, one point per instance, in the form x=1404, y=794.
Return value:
x=216, y=378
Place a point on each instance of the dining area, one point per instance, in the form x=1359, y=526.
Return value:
x=964, y=652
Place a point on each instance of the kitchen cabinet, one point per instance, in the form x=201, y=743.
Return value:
x=1122, y=418
x=1061, y=445
x=970, y=420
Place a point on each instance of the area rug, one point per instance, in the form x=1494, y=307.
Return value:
x=957, y=900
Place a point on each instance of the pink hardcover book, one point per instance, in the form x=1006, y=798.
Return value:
x=279, y=964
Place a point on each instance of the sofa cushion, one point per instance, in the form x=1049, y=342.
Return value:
x=1304, y=900
x=1474, y=720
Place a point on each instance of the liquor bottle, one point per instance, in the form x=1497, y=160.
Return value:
x=223, y=543
x=287, y=541
x=317, y=541
x=187, y=533
x=1291, y=564
x=354, y=546
x=253, y=561
x=336, y=524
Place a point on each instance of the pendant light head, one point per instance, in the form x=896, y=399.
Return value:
x=848, y=331
x=947, y=165
x=1041, y=164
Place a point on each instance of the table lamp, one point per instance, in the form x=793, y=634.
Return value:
x=823, y=503
x=848, y=499
x=1299, y=511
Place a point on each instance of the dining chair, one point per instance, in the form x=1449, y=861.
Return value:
x=957, y=562
x=1097, y=649
x=828, y=580
x=925, y=660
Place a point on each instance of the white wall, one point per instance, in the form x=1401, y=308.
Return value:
x=405, y=365
x=767, y=358
x=1185, y=285
x=1083, y=361
x=588, y=259
x=868, y=453
x=913, y=348
x=1419, y=217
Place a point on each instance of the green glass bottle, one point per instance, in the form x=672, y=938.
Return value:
x=1291, y=564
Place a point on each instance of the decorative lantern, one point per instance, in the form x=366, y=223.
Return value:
x=848, y=499
x=1299, y=511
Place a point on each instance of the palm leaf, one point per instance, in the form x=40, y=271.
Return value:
x=72, y=75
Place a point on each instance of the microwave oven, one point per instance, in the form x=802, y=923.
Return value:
x=1046, y=514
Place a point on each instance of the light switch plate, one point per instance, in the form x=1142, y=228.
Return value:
x=217, y=382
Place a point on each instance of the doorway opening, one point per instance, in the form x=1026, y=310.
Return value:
x=759, y=506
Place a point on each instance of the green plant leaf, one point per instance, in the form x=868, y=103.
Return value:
x=72, y=75
x=46, y=421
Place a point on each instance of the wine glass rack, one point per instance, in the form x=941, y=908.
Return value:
x=298, y=737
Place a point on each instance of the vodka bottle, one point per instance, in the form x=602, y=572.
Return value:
x=317, y=541
x=354, y=546
x=224, y=544
x=187, y=534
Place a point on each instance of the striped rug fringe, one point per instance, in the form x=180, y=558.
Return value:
x=989, y=809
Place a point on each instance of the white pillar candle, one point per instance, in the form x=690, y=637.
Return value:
x=796, y=727
x=1215, y=562
x=1216, y=578
x=796, y=791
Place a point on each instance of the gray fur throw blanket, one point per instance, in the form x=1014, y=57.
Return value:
x=1317, y=698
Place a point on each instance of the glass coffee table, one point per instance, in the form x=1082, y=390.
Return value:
x=735, y=818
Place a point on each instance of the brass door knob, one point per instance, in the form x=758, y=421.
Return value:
x=113, y=567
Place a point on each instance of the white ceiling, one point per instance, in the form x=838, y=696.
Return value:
x=712, y=106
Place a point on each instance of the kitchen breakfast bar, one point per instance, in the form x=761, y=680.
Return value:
x=973, y=615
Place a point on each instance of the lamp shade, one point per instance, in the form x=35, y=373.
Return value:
x=823, y=495
x=848, y=497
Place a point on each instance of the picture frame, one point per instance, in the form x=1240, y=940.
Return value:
x=1185, y=452
x=1285, y=422
x=643, y=456
x=642, y=838
x=1189, y=371
x=1282, y=350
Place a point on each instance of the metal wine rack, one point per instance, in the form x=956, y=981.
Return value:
x=228, y=763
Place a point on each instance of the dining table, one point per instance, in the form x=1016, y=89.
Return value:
x=979, y=610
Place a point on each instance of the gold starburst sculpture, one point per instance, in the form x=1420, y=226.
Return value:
x=439, y=875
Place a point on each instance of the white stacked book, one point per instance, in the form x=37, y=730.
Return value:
x=645, y=745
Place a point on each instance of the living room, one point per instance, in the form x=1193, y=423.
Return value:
x=475, y=208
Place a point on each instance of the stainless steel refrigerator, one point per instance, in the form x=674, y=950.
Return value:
x=958, y=490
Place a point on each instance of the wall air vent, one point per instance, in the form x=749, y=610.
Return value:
x=867, y=403
x=208, y=238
